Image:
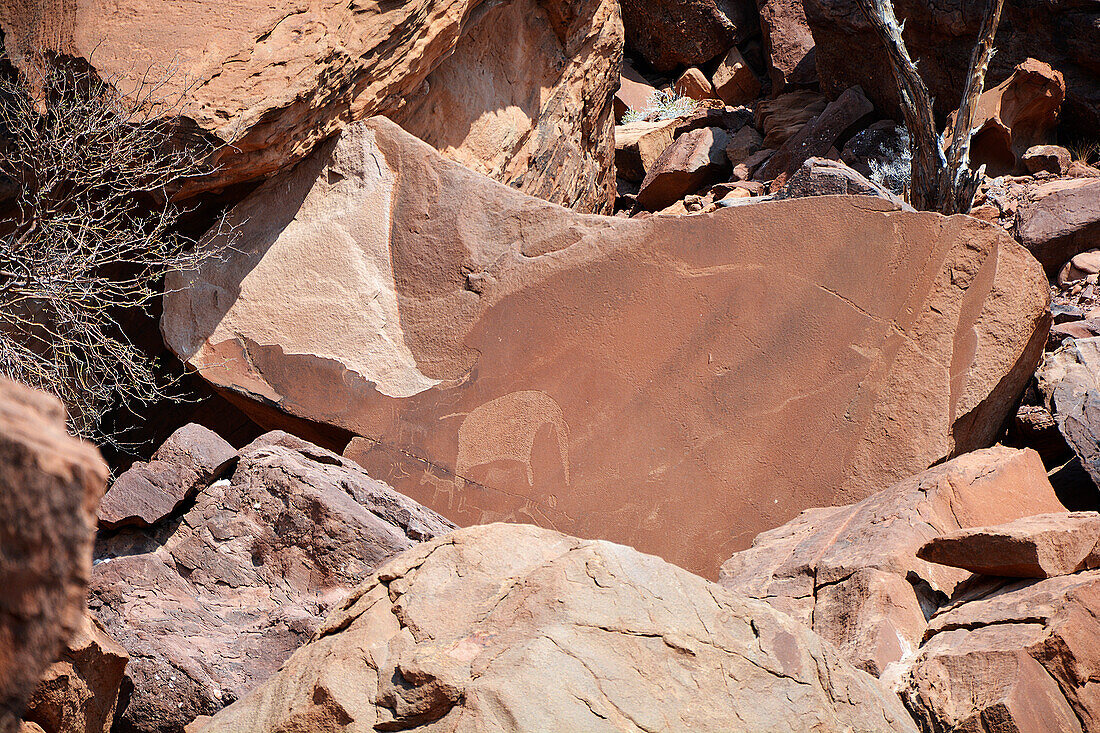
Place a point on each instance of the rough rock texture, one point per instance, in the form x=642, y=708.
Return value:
x=788, y=42
x=734, y=82
x=694, y=84
x=695, y=160
x=1069, y=380
x=634, y=92
x=497, y=354
x=212, y=603
x=823, y=177
x=782, y=117
x=1049, y=158
x=78, y=693
x=940, y=39
x=50, y=484
x=638, y=145
x=668, y=33
x=1040, y=546
x=852, y=574
x=1018, y=113
x=817, y=136
x=271, y=79
x=464, y=632
x=526, y=98
x=984, y=680
x=1053, y=620
x=1061, y=219
x=147, y=492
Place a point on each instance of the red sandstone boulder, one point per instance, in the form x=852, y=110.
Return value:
x=1041, y=546
x=852, y=573
x=638, y=145
x=695, y=160
x=213, y=601
x=1059, y=219
x=780, y=118
x=788, y=42
x=734, y=82
x=634, y=92
x=670, y=33
x=1069, y=380
x=517, y=628
x=694, y=84
x=520, y=90
x=1049, y=158
x=823, y=177
x=50, y=484
x=496, y=354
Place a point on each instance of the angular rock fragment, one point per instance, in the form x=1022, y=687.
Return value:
x=1059, y=220
x=147, y=492
x=695, y=160
x=634, y=92
x=780, y=118
x=823, y=177
x=789, y=44
x=670, y=33
x=734, y=82
x=212, y=604
x=695, y=85
x=638, y=145
x=1040, y=546
x=50, y=484
x=1047, y=158
x=852, y=573
x=512, y=627
x=1069, y=379
x=496, y=354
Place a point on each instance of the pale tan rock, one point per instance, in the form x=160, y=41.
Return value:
x=852, y=573
x=50, y=485
x=692, y=162
x=1040, y=546
x=268, y=80
x=734, y=82
x=694, y=84
x=514, y=628
x=1050, y=158
x=486, y=346
x=634, y=92
x=638, y=145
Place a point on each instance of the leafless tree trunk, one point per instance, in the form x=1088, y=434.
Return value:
x=939, y=182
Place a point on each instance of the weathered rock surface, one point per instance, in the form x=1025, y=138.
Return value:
x=823, y=177
x=1040, y=546
x=1069, y=379
x=668, y=33
x=497, y=354
x=211, y=604
x=694, y=84
x=268, y=81
x=78, y=693
x=940, y=39
x=1047, y=158
x=817, y=136
x=634, y=93
x=696, y=159
x=1052, y=620
x=1013, y=116
x=464, y=632
x=852, y=574
x=788, y=42
x=526, y=99
x=638, y=145
x=1060, y=219
x=734, y=82
x=780, y=118
x=146, y=493
x=50, y=484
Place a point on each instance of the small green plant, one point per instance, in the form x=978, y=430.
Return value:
x=1085, y=151
x=662, y=105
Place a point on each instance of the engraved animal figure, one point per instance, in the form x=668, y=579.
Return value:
x=505, y=429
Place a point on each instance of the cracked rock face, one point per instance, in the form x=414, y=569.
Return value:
x=210, y=602
x=675, y=384
x=522, y=89
x=517, y=628
x=852, y=574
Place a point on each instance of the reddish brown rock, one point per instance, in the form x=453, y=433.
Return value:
x=984, y=680
x=1053, y=620
x=464, y=632
x=147, y=492
x=526, y=98
x=1015, y=115
x=212, y=604
x=695, y=160
x=50, y=484
x=695, y=85
x=788, y=42
x=940, y=38
x=671, y=33
x=1060, y=219
x=634, y=92
x=1049, y=158
x=1080, y=266
x=1040, y=546
x=734, y=82
x=496, y=354
x=817, y=136
x=268, y=80
x=782, y=117
x=1069, y=380
x=638, y=145
x=78, y=693
x=823, y=177
x=852, y=573
x=743, y=144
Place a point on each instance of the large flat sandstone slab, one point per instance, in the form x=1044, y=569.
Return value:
x=676, y=384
